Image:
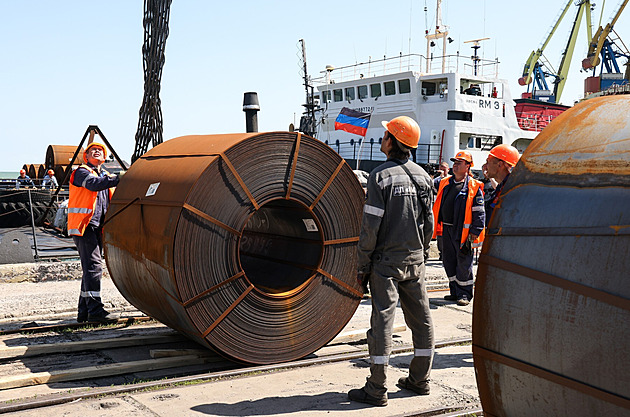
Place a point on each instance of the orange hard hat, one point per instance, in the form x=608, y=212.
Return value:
x=507, y=153
x=463, y=156
x=100, y=145
x=405, y=129
x=22, y=171
x=51, y=172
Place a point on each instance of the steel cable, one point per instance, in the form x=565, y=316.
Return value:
x=248, y=245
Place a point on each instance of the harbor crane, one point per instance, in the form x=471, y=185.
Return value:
x=609, y=48
x=537, y=68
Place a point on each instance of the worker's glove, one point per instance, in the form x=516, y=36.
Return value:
x=466, y=248
x=363, y=279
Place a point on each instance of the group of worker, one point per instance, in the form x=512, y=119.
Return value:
x=397, y=226
x=49, y=180
x=400, y=218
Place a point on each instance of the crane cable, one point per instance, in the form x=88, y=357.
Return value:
x=156, y=17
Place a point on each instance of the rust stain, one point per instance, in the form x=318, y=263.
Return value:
x=591, y=138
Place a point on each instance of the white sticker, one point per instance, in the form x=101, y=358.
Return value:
x=152, y=189
x=310, y=225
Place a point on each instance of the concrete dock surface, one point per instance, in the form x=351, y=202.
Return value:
x=306, y=391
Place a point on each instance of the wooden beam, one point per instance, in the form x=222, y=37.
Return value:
x=85, y=345
x=25, y=380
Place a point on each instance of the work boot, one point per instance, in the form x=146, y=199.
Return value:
x=422, y=389
x=463, y=302
x=105, y=317
x=361, y=396
x=450, y=297
x=82, y=318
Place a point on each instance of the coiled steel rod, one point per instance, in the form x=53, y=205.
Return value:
x=244, y=242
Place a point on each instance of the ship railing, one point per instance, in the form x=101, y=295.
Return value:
x=369, y=150
x=533, y=122
x=410, y=62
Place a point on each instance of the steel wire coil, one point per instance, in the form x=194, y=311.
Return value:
x=246, y=243
x=552, y=303
x=62, y=155
x=34, y=170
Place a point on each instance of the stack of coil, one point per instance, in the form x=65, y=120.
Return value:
x=552, y=304
x=244, y=242
x=58, y=158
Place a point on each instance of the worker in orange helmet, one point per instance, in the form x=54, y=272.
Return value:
x=91, y=189
x=499, y=164
x=396, y=229
x=23, y=180
x=50, y=181
x=460, y=215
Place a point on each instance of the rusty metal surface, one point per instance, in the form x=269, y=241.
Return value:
x=247, y=245
x=61, y=155
x=552, y=304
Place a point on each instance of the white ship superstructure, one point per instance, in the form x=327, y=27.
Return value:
x=458, y=101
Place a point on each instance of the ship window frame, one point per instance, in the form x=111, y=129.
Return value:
x=363, y=94
x=387, y=86
x=352, y=95
x=407, y=90
x=327, y=96
x=374, y=87
x=337, y=95
x=428, y=88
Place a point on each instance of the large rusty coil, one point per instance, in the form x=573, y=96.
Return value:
x=245, y=243
x=551, y=333
x=62, y=155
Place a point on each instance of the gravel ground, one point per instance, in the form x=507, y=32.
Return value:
x=51, y=288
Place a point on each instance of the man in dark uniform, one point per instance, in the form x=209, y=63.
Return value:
x=459, y=210
x=396, y=230
x=90, y=191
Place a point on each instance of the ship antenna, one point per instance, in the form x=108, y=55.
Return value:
x=307, y=125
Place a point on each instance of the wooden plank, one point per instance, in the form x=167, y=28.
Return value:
x=170, y=353
x=65, y=347
x=17, y=381
x=356, y=335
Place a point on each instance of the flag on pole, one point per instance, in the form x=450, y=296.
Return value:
x=352, y=121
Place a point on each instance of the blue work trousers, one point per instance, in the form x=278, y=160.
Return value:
x=458, y=266
x=90, y=247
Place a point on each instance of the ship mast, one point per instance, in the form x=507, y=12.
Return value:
x=440, y=33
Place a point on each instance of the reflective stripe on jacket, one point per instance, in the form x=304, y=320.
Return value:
x=473, y=213
x=81, y=205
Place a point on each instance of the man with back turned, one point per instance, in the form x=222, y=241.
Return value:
x=396, y=230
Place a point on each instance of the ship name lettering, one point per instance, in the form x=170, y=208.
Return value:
x=485, y=104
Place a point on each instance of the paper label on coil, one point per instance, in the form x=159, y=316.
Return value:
x=152, y=189
x=310, y=225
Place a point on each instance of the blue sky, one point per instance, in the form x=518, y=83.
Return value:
x=69, y=64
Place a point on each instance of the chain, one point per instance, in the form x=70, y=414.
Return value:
x=156, y=15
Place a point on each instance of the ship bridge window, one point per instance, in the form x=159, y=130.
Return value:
x=404, y=86
x=428, y=89
x=390, y=88
x=326, y=95
x=350, y=93
x=363, y=91
x=337, y=95
x=465, y=116
x=375, y=90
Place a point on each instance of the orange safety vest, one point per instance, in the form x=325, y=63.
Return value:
x=473, y=187
x=81, y=205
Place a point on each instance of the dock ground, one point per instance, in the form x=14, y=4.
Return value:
x=308, y=391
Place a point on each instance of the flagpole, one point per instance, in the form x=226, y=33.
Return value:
x=363, y=141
